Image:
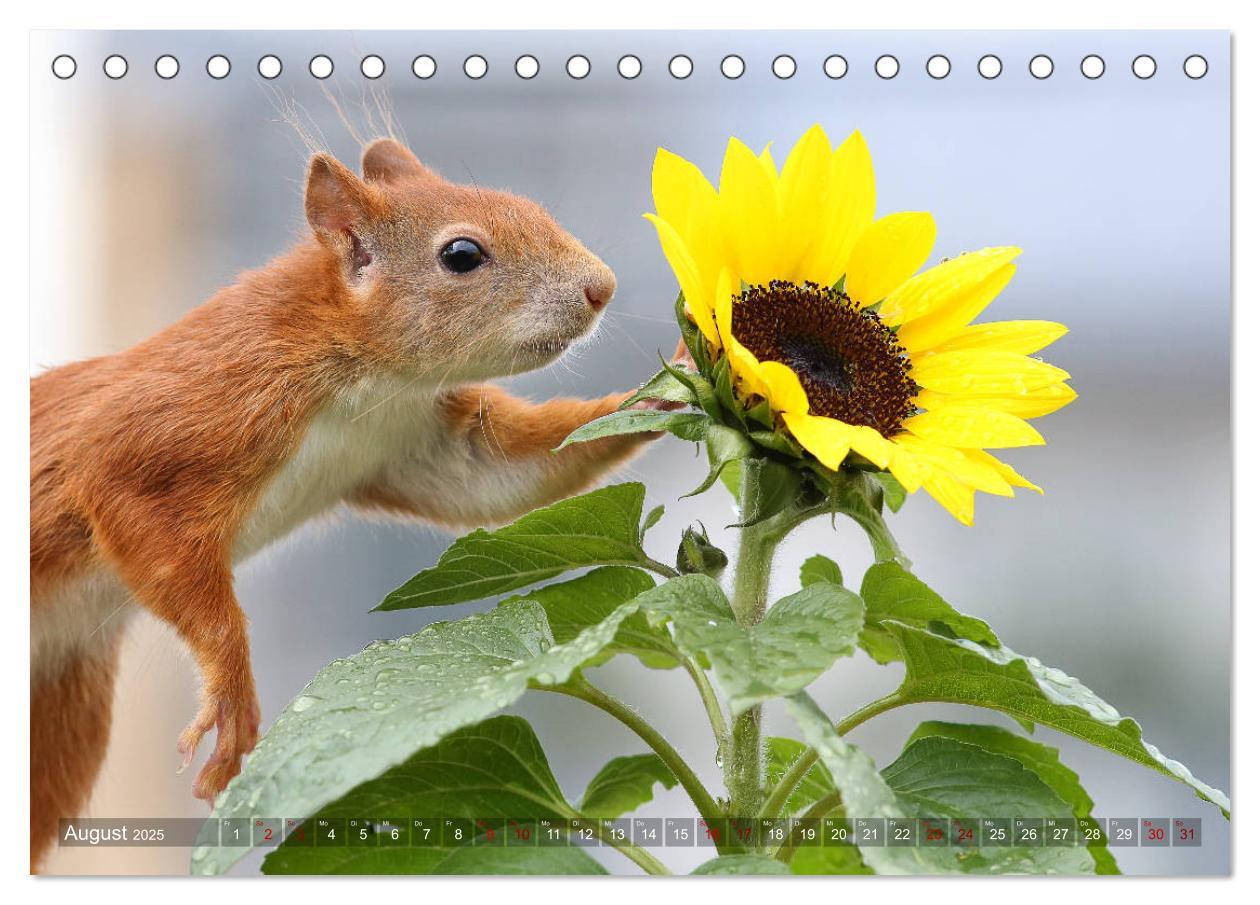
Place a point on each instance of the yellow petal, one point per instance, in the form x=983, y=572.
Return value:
x=1021, y=337
x=786, y=393
x=827, y=438
x=953, y=462
x=1033, y=404
x=870, y=443
x=888, y=254
x=681, y=192
x=944, y=285
x=685, y=198
x=949, y=319
x=723, y=300
x=1009, y=474
x=684, y=267
x=973, y=427
x=802, y=195
x=958, y=499
x=748, y=207
x=849, y=210
x=905, y=467
x=745, y=368
x=766, y=159
x=981, y=372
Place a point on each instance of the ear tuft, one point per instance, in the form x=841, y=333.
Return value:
x=336, y=199
x=386, y=160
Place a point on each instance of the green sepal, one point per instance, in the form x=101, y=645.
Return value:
x=894, y=493
x=701, y=389
x=696, y=344
x=724, y=446
x=724, y=386
x=775, y=487
x=778, y=441
x=762, y=414
x=663, y=385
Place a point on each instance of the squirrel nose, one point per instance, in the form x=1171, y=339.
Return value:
x=599, y=290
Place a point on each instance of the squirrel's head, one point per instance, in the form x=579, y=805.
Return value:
x=465, y=282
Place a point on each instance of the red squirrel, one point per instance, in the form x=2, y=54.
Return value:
x=347, y=370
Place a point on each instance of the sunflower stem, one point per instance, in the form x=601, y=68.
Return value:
x=757, y=544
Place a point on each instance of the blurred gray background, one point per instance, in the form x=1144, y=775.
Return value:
x=148, y=194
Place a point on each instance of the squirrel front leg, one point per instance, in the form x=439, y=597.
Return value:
x=499, y=460
x=184, y=578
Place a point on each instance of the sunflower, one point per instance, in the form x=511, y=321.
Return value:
x=820, y=309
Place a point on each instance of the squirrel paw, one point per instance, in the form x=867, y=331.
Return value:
x=236, y=720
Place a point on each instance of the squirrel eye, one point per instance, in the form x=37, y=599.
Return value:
x=462, y=255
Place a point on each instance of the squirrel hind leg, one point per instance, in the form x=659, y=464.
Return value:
x=70, y=719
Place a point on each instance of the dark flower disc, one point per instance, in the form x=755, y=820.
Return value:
x=849, y=363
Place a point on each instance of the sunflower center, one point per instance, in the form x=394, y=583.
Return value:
x=848, y=362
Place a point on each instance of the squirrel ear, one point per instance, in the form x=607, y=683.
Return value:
x=386, y=160
x=336, y=199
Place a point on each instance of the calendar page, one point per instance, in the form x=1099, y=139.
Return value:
x=630, y=452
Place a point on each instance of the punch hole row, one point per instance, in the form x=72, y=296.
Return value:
x=680, y=66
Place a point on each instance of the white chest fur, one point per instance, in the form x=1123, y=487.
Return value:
x=345, y=446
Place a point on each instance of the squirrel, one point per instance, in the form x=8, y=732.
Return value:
x=348, y=370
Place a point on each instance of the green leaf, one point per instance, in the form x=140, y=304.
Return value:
x=1040, y=759
x=483, y=860
x=960, y=671
x=943, y=777
x=937, y=777
x=828, y=860
x=684, y=425
x=576, y=605
x=733, y=865
x=819, y=568
x=865, y=793
x=894, y=493
x=624, y=784
x=597, y=528
x=781, y=754
x=664, y=386
x=362, y=715
x=496, y=768
x=800, y=638
x=891, y=592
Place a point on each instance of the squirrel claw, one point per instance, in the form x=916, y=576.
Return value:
x=237, y=723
